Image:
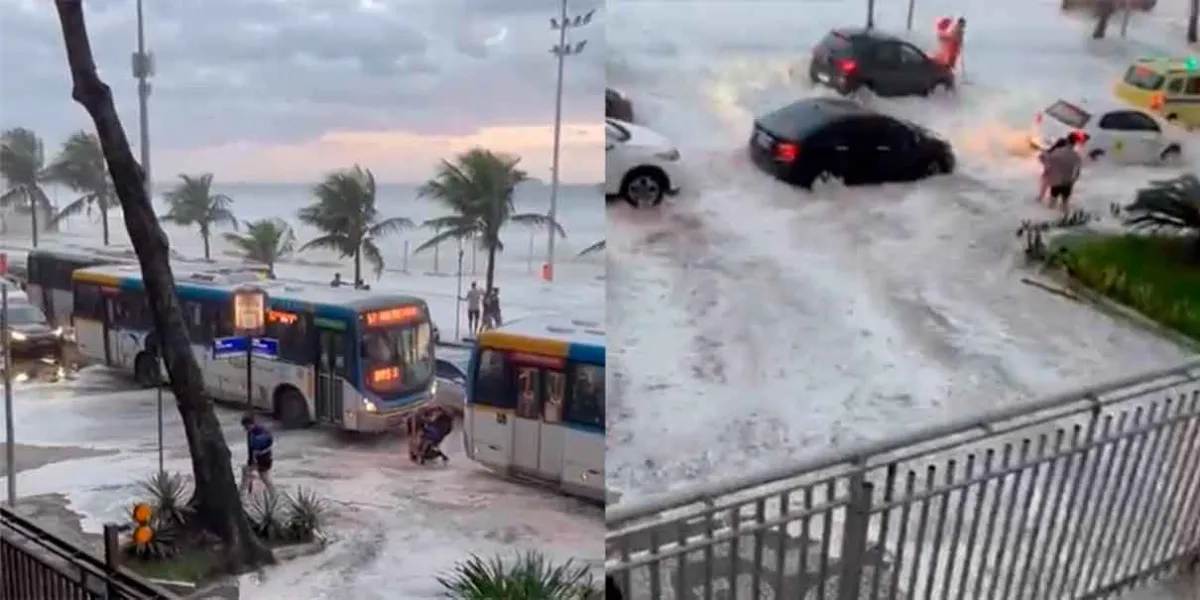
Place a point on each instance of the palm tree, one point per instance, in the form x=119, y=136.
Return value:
x=192, y=202
x=530, y=577
x=346, y=215
x=266, y=241
x=80, y=166
x=1171, y=204
x=22, y=165
x=597, y=247
x=478, y=188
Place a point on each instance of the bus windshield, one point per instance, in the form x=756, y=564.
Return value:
x=397, y=357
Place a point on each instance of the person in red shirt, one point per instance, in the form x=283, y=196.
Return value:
x=950, y=41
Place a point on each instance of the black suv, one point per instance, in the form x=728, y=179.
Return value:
x=32, y=336
x=849, y=59
x=821, y=138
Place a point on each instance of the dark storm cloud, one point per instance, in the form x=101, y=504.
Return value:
x=232, y=70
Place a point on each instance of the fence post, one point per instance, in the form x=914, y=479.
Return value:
x=854, y=538
x=112, y=558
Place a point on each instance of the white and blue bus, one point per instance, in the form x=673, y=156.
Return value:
x=535, y=403
x=359, y=360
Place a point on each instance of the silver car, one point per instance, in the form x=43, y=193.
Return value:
x=451, y=385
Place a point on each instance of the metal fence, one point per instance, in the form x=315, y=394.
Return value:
x=1082, y=495
x=35, y=565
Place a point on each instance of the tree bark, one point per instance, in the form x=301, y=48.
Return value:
x=207, y=252
x=357, y=264
x=491, y=269
x=217, y=501
x=104, y=217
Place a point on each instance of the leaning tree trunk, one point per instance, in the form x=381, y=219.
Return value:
x=1104, y=12
x=1193, y=17
x=218, y=503
x=204, y=235
x=34, y=207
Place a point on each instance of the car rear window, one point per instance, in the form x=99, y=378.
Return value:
x=1068, y=114
x=834, y=45
x=797, y=121
x=1143, y=78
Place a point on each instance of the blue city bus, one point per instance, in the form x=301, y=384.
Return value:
x=535, y=403
x=356, y=359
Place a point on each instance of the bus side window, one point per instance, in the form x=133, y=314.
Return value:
x=294, y=344
x=193, y=318
x=556, y=392
x=218, y=323
x=493, y=384
x=89, y=303
x=1175, y=86
x=1193, y=86
x=131, y=311
x=585, y=404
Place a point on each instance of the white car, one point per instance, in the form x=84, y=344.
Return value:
x=641, y=166
x=1123, y=134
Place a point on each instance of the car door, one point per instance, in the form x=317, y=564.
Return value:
x=917, y=70
x=1147, y=135
x=885, y=74
x=860, y=150
x=897, y=156
x=614, y=163
x=1123, y=137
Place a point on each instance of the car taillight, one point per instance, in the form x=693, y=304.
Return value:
x=847, y=65
x=786, y=152
x=1156, y=102
x=1038, y=119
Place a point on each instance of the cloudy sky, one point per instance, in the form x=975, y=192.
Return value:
x=284, y=90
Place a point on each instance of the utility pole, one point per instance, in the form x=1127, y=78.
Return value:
x=143, y=69
x=10, y=441
x=561, y=50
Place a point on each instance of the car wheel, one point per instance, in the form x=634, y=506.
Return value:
x=291, y=410
x=1096, y=154
x=1171, y=153
x=934, y=168
x=940, y=88
x=644, y=188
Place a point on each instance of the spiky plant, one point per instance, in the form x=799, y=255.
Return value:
x=168, y=494
x=158, y=541
x=531, y=576
x=306, y=513
x=268, y=516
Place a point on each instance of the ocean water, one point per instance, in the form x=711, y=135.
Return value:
x=580, y=212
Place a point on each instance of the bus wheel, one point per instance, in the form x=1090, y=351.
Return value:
x=291, y=409
x=145, y=370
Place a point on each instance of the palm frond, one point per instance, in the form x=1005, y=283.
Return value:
x=389, y=226
x=594, y=248
x=332, y=241
x=371, y=254
x=459, y=233
x=536, y=220
x=79, y=205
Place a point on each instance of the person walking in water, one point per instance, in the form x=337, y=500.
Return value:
x=1061, y=167
x=474, y=299
x=259, y=449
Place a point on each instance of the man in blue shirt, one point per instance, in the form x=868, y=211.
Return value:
x=259, y=445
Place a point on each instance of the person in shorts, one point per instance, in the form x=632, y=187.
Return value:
x=1061, y=167
x=259, y=450
x=474, y=300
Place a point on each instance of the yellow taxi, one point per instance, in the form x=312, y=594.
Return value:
x=1167, y=86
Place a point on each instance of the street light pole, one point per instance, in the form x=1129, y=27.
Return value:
x=10, y=442
x=562, y=50
x=143, y=69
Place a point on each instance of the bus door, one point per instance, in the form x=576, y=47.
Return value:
x=330, y=367
x=537, y=436
x=108, y=296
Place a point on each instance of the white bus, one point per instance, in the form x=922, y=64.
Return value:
x=360, y=360
x=535, y=403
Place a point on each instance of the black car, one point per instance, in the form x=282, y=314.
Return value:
x=849, y=59
x=821, y=138
x=31, y=335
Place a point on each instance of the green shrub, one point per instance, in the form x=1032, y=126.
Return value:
x=531, y=576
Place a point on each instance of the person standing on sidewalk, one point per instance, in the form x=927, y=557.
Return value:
x=474, y=299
